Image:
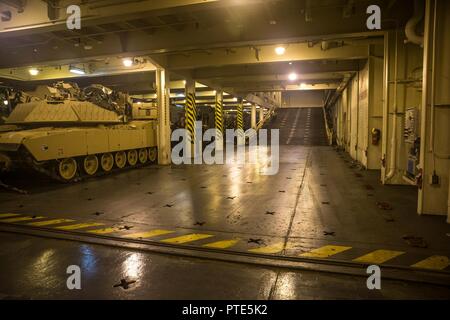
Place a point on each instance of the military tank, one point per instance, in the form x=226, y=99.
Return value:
x=69, y=134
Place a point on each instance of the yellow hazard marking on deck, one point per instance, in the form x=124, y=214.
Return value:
x=273, y=248
x=378, y=256
x=148, y=234
x=433, y=262
x=325, y=251
x=6, y=215
x=222, y=244
x=104, y=230
x=20, y=219
x=79, y=226
x=49, y=222
x=187, y=238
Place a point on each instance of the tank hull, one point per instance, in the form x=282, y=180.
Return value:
x=43, y=148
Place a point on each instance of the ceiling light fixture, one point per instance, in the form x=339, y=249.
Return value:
x=280, y=50
x=33, y=71
x=292, y=76
x=127, y=62
x=77, y=70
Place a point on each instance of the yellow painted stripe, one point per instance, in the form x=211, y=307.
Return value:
x=79, y=226
x=21, y=219
x=6, y=215
x=222, y=244
x=433, y=262
x=148, y=234
x=49, y=222
x=187, y=238
x=378, y=256
x=325, y=251
x=273, y=248
x=104, y=230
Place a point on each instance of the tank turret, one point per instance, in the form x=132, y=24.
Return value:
x=61, y=112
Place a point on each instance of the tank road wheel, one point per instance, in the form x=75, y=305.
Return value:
x=132, y=157
x=107, y=162
x=143, y=157
x=152, y=154
x=121, y=159
x=67, y=169
x=90, y=165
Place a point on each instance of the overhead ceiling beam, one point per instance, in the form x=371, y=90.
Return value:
x=205, y=34
x=277, y=77
x=302, y=67
x=34, y=18
x=246, y=55
x=110, y=66
x=207, y=93
x=290, y=87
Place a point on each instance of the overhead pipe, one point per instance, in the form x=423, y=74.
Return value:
x=393, y=152
x=433, y=80
x=385, y=144
x=410, y=28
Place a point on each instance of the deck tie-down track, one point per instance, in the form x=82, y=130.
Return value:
x=208, y=240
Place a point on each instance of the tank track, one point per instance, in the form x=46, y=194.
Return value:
x=49, y=169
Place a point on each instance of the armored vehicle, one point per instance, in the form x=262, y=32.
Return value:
x=68, y=133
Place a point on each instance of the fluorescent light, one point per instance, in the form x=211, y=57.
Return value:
x=33, y=71
x=280, y=50
x=77, y=70
x=292, y=76
x=127, y=62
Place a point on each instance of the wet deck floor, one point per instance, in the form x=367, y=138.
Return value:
x=319, y=206
x=35, y=268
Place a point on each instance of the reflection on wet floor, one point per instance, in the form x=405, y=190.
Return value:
x=320, y=205
x=217, y=207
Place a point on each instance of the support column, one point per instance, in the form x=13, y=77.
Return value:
x=435, y=113
x=240, y=115
x=253, y=116
x=218, y=119
x=240, y=122
x=261, y=114
x=163, y=96
x=190, y=114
